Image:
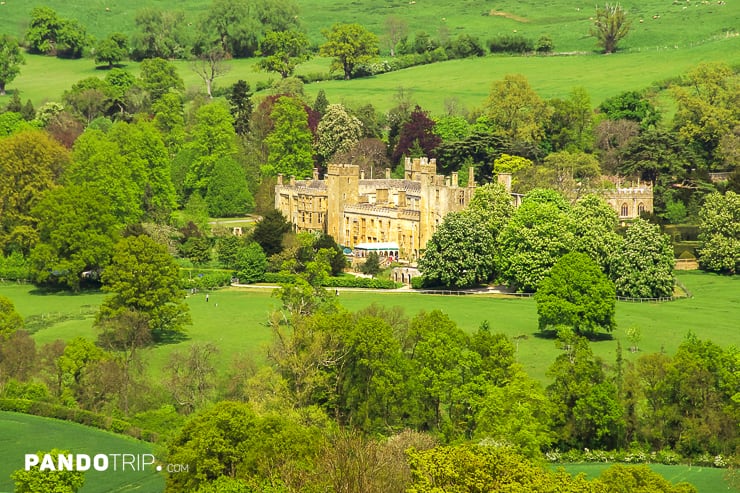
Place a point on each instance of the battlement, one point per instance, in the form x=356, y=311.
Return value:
x=343, y=170
x=421, y=165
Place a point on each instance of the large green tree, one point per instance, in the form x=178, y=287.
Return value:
x=161, y=34
x=350, y=45
x=77, y=230
x=112, y=49
x=49, y=34
x=644, y=266
x=720, y=233
x=228, y=192
x=158, y=76
x=460, y=253
x=514, y=108
x=10, y=320
x=35, y=479
x=338, y=131
x=283, y=51
x=213, y=139
x=578, y=295
x=289, y=142
x=31, y=162
x=250, y=263
x=143, y=278
x=610, y=26
x=11, y=60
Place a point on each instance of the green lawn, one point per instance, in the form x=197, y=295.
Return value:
x=706, y=479
x=234, y=319
x=22, y=434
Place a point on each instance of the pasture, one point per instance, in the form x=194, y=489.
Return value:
x=234, y=319
x=706, y=479
x=22, y=434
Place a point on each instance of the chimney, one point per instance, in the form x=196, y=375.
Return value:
x=381, y=196
x=402, y=198
x=471, y=177
x=455, y=180
x=280, y=179
x=447, y=181
x=292, y=180
x=505, y=180
x=387, y=173
x=316, y=174
x=362, y=174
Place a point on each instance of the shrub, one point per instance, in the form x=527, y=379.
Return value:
x=544, y=45
x=510, y=44
x=192, y=278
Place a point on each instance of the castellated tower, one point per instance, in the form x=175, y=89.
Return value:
x=342, y=184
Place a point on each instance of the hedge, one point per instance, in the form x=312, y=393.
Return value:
x=80, y=416
x=205, y=279
x=335, y=282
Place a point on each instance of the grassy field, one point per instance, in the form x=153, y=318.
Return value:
x=234, y=319
x=21, y=434
x=682, y=22
x=682, y=35
x=706, y=479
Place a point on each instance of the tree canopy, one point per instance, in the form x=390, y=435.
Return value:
x=11, y=60
x=350, y=45
x=610, y=26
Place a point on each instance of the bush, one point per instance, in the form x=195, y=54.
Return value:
x=544, y=45
x=511, y=44
x=418, y=282
x=193, y=278
x=15, y=267
x=335, y=282
x=465, y=46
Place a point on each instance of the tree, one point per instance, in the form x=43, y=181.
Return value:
x=10, y=320
x=11, y=60
x=610, y=26
x=234, y=26
x=240, y=99
x=537, y=235
x=77, y=231
x=460, y=253
x=289, y=142
x=514, y=108
x=644, y=267
x=51, y=35
x=112, y=49
x=250, y=263
x=210, y=64
x=228, y=193
x=350, y=45
x=371, y=266
x=144, y=278
x=338, y=131
x=577, y=295
x=396, y=29
x=283, y=51
x=270, y=230
x=57, y=481
x=158, y=76
x=31, y=162
x=213, y=139
x=719, y=233
x=416, y=133
x=160, y=35
x=633, y=106
x=594, y=225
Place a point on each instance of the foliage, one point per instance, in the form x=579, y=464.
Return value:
x=578, y=295
x=270, y=230
x=161, y=34
x=460, y=253
x=228, y=194
x=644, y=266
x=77, y=231
x=720, y=233
x=594, y=223
x=338, y=131
x=571, y=122
x=144, y=278
x=250, y=263
x=112, y=49
x=289, y=142
x=633, y=106
x=611, y=25
x=283, y=51
x=31, y=163
x=240, y=100
x=511, y=43
x=158, y=76
x=10, y=320
x=350, y=45
x=371, y=266
x=213, y=140
x=515, y=108
x=10, y=61
x=56, y=481
x=51, y=35
x=538, y=234
x=416, y=136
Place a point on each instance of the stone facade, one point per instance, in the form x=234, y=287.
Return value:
x=355, y=210
x=406, y=211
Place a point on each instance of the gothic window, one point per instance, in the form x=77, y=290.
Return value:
x=625, y=210
x=640, y=208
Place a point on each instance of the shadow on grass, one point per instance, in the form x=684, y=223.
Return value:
x=165, y=338
x=553, y=335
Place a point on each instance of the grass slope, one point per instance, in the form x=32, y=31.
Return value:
x=22, y=434
x=706, y=479
x=234, y=319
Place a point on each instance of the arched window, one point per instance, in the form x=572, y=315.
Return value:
x=640, y=208
x=625, y=210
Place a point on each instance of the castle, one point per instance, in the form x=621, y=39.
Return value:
x=396, y=217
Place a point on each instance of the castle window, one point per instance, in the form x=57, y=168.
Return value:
x=625, y=210
x=640, y=208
